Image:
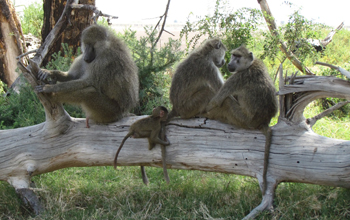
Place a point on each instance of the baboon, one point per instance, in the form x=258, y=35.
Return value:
x=103, y=80
x=248, y=98
x=150, y=128
x=197, y=79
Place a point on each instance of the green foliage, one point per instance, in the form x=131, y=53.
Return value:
x=154, y=67
x=62, y=61
x=233, y=28
x=20, y=110
x=295, y=33
x=32, y=19
x=98, y=193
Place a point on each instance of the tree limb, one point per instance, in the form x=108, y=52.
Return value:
x=283, y=47
x=163, y=25
x=313, y=120
x=339, y=69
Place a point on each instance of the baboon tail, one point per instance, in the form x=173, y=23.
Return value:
x=268, y=134
x=120, y=147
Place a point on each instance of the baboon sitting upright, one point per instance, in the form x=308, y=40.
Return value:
x=197, y=79
x=103, y=80
x=247, y=99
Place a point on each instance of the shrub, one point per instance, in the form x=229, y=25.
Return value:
x=32, y=19
x=154, y=67
x=233, y=28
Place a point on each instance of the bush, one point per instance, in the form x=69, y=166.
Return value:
x=154, y=67
x=233, y=28
x=20, y=110
x=32, y=19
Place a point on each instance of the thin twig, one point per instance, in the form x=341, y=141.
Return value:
x=97, y=12
x=25, y=54
x=163, y=25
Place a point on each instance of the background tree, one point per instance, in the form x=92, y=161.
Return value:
x=11, y=38
x=79, y=20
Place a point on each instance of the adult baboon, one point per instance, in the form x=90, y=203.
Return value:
x=149, y=128
x=103, y=80
x=247, y=99
x=197, y=79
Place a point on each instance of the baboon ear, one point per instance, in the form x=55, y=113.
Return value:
x=218, y=45
x=251, y=55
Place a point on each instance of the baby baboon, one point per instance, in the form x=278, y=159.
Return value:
x=149, y=128
x=248, y=98
x=103, y=80
x=197, y=79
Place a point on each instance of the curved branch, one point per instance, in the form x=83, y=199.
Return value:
x=339, y=69
x=306, y=89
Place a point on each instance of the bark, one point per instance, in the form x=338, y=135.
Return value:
x=79, y=20
x=11, y=42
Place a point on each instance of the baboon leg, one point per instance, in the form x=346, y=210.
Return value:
x=198, y=102
x=144, y=176
x=268, y=134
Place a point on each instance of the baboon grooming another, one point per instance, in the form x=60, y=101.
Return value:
x=103, y=80
x=149, y=128
x=248, y=98
x=197, y=79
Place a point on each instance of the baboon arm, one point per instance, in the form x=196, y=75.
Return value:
x=62, y=76
x=155, y=139
x=69, y=86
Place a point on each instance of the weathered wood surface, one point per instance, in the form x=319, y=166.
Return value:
x=297, y=155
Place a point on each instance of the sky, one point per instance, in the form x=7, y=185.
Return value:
x=331, y=13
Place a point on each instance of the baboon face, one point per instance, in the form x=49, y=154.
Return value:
x=160, y=112
x=218, y=54
x=91, y=36
x=241, y=59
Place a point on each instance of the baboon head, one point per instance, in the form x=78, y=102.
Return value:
x=90, y=39
x=241, y=59
x=160, y=112
x=217, y=54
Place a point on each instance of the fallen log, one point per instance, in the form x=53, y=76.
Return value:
x=297, y=154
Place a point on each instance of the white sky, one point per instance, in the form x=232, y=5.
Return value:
x=140, y=11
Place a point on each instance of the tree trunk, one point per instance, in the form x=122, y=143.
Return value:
x=11, y=42
x=79, y=20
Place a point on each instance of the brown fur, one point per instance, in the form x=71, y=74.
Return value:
x=247, y=99
x=150, y=128
x=103, y=80
x=197, y=79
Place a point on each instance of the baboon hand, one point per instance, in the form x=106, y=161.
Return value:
x=167, y=140
x=212, y=104
x=39, y=88
x=43, y=74
x=43, y=88
x=46, y=76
